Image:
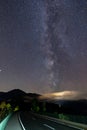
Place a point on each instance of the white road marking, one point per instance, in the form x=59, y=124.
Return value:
x=49, y=127
x=21, y=123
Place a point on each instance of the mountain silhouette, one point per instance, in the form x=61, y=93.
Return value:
x=11, y=94
x=17, y=94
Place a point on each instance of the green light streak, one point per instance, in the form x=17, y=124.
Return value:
x=4, y=122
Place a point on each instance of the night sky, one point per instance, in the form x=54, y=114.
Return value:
x=43, y=45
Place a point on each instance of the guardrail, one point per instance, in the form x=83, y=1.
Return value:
x=78, y=126
x=4, y=122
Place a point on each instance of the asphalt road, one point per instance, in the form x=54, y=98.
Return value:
x=34, y=122
x=13, y=123
x=31, y=121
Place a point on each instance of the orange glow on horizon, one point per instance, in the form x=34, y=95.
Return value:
x=65, y=95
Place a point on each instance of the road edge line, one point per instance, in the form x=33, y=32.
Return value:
x=21, y=122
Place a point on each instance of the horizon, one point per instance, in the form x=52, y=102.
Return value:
x=61, y=95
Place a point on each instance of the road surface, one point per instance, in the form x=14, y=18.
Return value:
x=13, y=123
x=31, y=121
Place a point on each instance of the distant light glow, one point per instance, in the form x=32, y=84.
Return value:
x=65, y=95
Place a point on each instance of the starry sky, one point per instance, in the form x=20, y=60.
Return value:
x=43, y=45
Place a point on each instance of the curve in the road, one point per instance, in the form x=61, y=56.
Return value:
x=33, y=121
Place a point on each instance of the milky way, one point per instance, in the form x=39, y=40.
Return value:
x=64, y=43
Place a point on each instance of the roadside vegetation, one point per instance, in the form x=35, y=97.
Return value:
x=53, y=111
x=44, y=108
x=6, y=109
